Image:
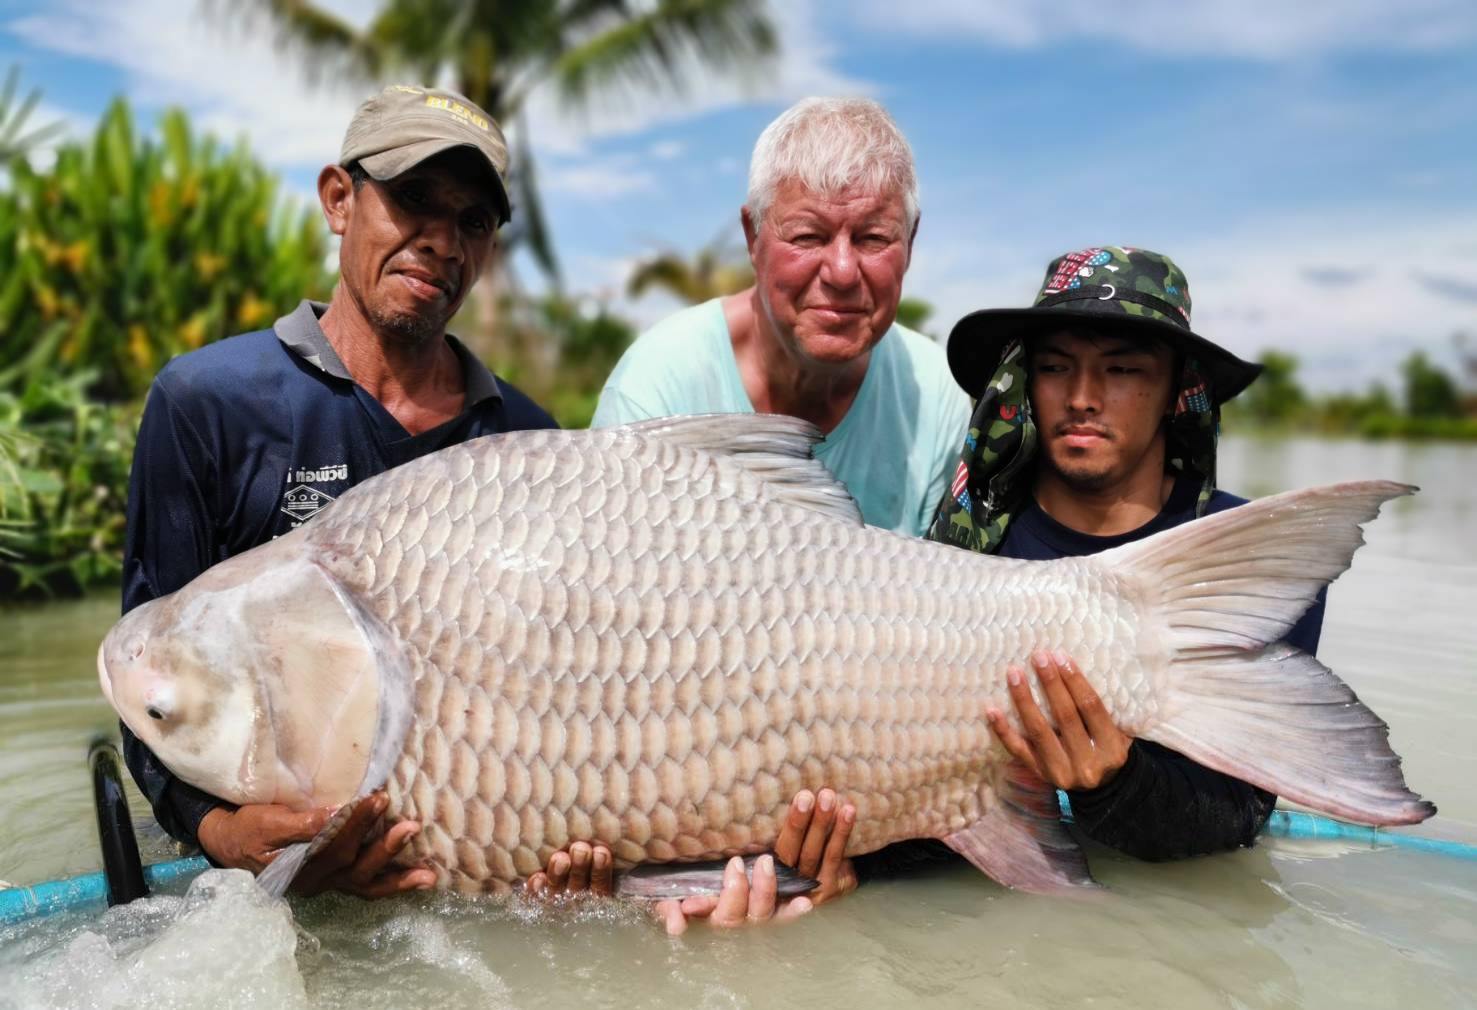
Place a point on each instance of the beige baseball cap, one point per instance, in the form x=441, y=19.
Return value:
x=404, y=125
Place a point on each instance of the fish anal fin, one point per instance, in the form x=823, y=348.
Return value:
x=683, y=880
x=1021, y=841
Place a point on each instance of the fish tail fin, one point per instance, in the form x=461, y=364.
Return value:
x=1226, y=587
x=1021, y=841
x=1282, y=720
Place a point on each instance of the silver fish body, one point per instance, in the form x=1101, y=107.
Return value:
x=654, y=636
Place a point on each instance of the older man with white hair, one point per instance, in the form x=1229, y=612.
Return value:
x=830, y=219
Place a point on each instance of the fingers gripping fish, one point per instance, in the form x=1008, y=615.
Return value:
x=653, y=636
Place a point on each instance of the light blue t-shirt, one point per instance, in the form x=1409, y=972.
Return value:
x=895, y=449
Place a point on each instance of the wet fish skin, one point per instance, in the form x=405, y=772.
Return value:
x=654, y=636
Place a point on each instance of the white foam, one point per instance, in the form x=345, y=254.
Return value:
x=224, y=944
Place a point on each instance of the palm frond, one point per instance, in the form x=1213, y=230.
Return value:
x=14, y=141
x=328, y=43
x=648, y=49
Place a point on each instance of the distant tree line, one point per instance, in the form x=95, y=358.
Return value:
x=1429, y=402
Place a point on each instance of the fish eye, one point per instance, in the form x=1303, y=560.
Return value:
x=154, y=713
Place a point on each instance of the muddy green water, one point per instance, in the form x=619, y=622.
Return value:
x=1300, y=924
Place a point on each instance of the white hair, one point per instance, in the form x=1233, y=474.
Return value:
x=829, y=145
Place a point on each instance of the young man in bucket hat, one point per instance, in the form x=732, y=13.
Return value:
x=247, y=438
x=1095, y=425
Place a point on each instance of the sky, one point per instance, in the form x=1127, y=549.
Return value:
x=1311, y=165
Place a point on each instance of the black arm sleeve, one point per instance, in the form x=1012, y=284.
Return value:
x=170, y=539
x=1162, y=805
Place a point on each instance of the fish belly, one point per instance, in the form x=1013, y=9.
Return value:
x=617, y=639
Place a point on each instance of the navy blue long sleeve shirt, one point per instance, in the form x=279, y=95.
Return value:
x=245, y=440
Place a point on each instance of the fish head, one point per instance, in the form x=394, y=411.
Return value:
x=254, y=683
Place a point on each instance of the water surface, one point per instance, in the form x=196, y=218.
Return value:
x=1284, y=924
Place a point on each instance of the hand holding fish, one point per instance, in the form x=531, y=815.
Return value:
x=812, y=841
x=1085, y=750
x=354, y=864
x=250, y=836
x=582, y=867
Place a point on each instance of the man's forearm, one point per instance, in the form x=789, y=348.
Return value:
x=1162, y=805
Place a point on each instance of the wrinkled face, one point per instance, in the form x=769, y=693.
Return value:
x=413, y=246
x=253, y=683
x=829, y=269
x=1100, y=404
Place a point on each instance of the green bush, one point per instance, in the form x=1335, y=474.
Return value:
x=63, y=480
x=130, y=250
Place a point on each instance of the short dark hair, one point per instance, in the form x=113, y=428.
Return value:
x=357, y=175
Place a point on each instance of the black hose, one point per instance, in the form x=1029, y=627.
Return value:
x=122, y=867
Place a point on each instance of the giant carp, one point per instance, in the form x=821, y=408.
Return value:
x=653, y=636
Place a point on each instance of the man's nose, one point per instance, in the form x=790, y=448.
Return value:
x=438, y=237
x=1085, y=394
x=839, y=268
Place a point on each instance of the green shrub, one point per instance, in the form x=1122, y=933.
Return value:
x=63, y=480
x=130, y=250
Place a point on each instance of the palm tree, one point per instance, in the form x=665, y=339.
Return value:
x=715, y=270
x=14, y=141
x=497, y=51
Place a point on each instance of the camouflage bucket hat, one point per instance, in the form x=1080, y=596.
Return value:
x=1114, y=289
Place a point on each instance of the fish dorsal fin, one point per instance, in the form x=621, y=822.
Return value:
x=776, y=448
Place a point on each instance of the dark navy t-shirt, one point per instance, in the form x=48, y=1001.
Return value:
x=246, y=439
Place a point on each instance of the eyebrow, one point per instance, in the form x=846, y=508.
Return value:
x=1121, y=351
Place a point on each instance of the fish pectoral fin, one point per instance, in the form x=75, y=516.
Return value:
x=1021, y=841
x=283, y=870
x=685, y=880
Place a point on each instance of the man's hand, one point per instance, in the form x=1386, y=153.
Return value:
x=812, y=841
x=738, y=904
x=1086, y=749
x=250, y=837
x=584, y=867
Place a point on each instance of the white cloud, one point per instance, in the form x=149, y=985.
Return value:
x=597, y=178
x=1262, y=284
x=234, y=79
x=1261, y=29
x=237, y=79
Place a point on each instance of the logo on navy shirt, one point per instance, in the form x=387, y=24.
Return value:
x=303, y=502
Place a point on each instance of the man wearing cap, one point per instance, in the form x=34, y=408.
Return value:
x=1095, y=425
x=246, y=439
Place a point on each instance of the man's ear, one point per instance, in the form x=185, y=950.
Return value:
x=336, y=194
x=751, y=229
x=913, y=236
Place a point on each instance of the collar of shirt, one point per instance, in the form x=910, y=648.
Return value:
x=1073, y=543
x=300, y=332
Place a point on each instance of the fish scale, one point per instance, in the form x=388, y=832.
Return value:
x=782, y=604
